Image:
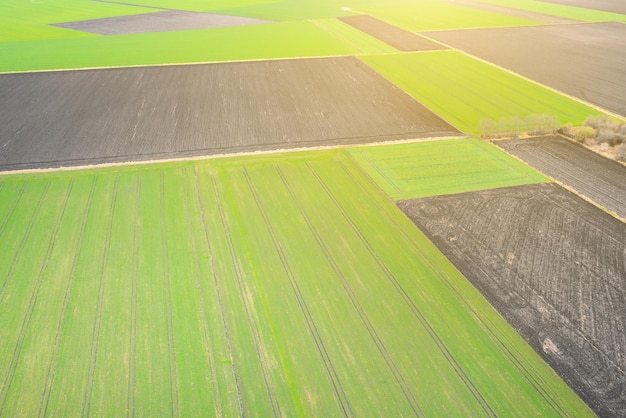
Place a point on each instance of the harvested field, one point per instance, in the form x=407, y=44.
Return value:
x=392, y=35
x=586, y=60
x=259, y=286
x=85, y=117
x=553, y=265
x=592, y=175
x=164, y=21
x=510, y=11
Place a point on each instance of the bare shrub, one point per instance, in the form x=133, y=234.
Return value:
x=487, y=128
x=620, y=153
x=585, y=134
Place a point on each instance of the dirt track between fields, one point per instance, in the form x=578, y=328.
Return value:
x=390, y=34
x=596, y=177
x=586, y=60
x=554, y=266
x=87, y=117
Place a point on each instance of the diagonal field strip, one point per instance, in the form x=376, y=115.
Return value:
x=282, y=284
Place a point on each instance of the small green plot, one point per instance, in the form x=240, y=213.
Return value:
x=436, y=15
x=420, y=169
x=466, y=91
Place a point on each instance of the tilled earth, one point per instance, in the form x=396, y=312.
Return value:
x=554, y=266
x=590, y=174
x=56, y=119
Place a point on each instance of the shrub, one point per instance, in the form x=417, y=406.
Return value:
x=620, y=153
x=585, y=134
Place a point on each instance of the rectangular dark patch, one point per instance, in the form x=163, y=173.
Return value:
x=165, y=21
x=390, y=34
x=554, y=266
x=592, y=175
x=126, y=114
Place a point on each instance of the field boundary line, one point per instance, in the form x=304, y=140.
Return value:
x=218, y=292
x=167, y=288
x=209, y=348
x=17, y=351
x=419, y=315
x=519, y=361
x=95, y=337
x=304, y=308
x=54, y=358
x=252, y=323
x=516, y=74
x=18, y=253
x=382, y=349
x=221, y=156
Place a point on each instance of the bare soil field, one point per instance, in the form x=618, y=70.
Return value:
x=390, y=34
x=162, y=21
x=594, y=176
x=510, y=11
x=553, y=265
x=115, y=115
x=604, y=5
x=584, y=60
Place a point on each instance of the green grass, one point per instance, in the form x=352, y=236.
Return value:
x=286, y=284
x=420, y=169
x=465, y=91
x=570, y=12
x=354, y=38
x=436, y=15
x=265, y=41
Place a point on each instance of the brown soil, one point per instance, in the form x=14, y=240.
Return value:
x=554, y=266
x=596, y=177
x=115, y=115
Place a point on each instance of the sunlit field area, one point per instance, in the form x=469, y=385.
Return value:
x=306, y=208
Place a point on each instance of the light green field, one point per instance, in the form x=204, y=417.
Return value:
x=282, y=285
x=436, y=15
x=570, y=12
x=420, y=169
x=465, y=91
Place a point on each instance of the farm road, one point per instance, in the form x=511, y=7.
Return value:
x=118, y=115
x=592, y=175
x=584, y=60
x=553, y=265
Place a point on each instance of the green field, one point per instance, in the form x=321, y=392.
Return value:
x=465, y=91
x=437, y=15
x=570, y=12
x=420, y=169
x=182, y=289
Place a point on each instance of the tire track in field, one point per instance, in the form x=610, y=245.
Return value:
x=20, y=248
x=419, y=315
x=380, y=345
x=217, y=390
x=518, y=360
x=304, y=309
x=13, y=206
x=17, y=351
x=252, y=323
x=54, y=359
x=132, y=343
x=95, y=335
x=167, y=287
x=218, y=290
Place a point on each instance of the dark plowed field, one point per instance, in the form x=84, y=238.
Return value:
x=592, y=175
x=85, y=117
x=615, y=6
x=390, y=34
x=169, y=20
x=584, y=60
x=554, y=266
